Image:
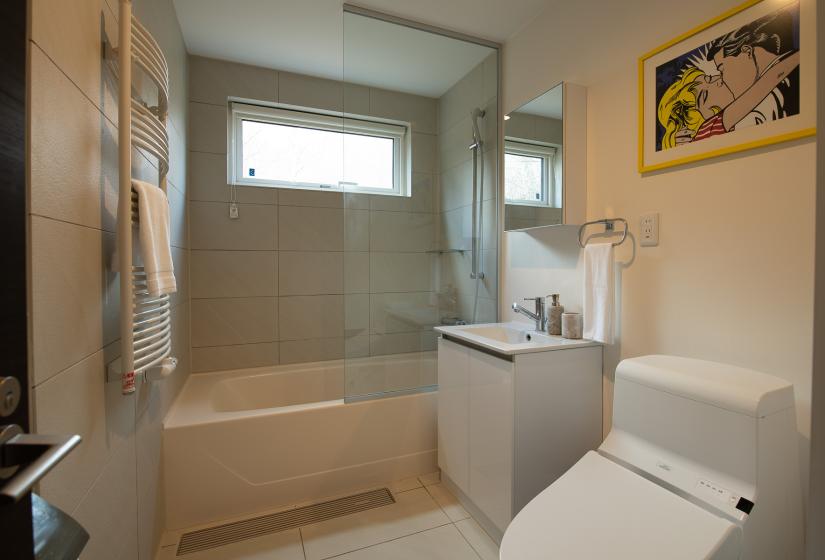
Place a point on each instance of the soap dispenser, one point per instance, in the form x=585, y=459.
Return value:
x=554, y=311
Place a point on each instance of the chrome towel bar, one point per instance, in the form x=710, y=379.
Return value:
x=609, y=226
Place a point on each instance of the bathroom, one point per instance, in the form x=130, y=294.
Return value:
x=366, y=208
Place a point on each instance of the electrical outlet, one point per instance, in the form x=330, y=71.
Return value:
x=233, y=211
x=649, y=226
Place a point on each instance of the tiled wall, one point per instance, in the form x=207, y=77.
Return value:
x=477, y=89
x=541, y=129
x=306, y=275
x=111, y=483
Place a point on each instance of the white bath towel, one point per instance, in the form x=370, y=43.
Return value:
x=598, y=292
x=153, y=214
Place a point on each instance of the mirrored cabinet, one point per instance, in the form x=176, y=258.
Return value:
x=545, y=171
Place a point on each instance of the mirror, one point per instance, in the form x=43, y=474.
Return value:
x=533, y=163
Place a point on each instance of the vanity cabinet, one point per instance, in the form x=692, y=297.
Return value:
x=509, y=425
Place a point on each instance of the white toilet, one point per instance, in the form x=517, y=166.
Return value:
x=701, y=462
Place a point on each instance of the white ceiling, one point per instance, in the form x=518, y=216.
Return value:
x=547, y=105
x=306, y=36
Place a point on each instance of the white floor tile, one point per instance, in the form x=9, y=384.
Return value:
x=447, y=502
x=405, y=484
x=478, y=539
x=441, y=543
x=430, y=479
x=285, y=545
x=414, y=511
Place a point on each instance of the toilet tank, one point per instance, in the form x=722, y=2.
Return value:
x=723, y=437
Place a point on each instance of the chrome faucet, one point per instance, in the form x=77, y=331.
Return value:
x=540, y=316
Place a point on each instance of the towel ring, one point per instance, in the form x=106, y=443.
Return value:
x=609, y=226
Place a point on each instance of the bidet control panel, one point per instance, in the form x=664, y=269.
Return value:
x=710, y=490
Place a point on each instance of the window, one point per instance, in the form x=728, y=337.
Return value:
x=529, y=171
x=311, y=150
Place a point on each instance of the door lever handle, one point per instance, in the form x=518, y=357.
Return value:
x=27, y=458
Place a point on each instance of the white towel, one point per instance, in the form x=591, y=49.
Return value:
x=153, y=213
x=598, y=292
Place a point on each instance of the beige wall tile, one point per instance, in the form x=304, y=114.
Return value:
x=305, y=317
x=72, y=35
x=227, y=321
x=79, y=401
x=180, y=262
x=254, y=230
x=310, y=229
x=73, y=151
x=457, y=103
x=421, y=199
x=356, y=347
x=310, y=273
x=309, y=91
x=207, y=182
x=457, y=186
x=356, y=272
x=400, y=272
x=457, y=229
x=401, y=232
x=317, y=199
x=424, y=153
x=234, y=273
x=295, y=351
x=214, y=81
x=207, y=127
x=356, y=315
x=402, y=312
x=419, y=111
x=401, y=343
x=490, y=71
x=67, y=295
x=179, y=217
x=357, y=230
x=453, y=145
x=356, y=99
x=217, y=358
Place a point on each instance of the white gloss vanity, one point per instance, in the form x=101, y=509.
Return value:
x=516, y=409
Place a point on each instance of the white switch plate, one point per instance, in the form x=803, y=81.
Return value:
x=233, y=211
x=649, y=226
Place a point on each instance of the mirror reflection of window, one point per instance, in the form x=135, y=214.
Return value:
x=528, y=173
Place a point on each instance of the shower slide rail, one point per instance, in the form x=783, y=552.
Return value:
x=145, y=320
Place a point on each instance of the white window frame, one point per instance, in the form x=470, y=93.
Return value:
x=288, y=115
x=547, y=153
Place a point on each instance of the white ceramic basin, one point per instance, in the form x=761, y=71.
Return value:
x=510, y=338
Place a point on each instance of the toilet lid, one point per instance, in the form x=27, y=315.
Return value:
x=599, y=509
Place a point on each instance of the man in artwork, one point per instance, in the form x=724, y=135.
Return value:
x=747, y=54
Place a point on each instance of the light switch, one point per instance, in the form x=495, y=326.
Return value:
x=649, y=227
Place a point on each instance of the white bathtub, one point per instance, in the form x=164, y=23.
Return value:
x=238, y=442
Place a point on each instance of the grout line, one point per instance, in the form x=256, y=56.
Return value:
x=389, y=540
x=455, y=524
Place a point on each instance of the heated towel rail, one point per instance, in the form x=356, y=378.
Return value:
x=145, y=320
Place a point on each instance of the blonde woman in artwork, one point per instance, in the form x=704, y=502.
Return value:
x=698, y=106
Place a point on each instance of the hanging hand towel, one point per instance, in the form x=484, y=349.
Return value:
x=153, y=213
x=598, y=292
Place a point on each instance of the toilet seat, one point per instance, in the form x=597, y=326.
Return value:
x=599, y=510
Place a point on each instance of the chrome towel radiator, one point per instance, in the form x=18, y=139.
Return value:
x=145, y=321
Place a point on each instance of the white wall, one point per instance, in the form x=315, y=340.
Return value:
x=111, y=483
x=732, y=279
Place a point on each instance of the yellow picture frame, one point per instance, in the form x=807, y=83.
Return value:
x=646, y=166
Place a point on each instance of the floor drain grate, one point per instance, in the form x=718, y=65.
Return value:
x=214, y=537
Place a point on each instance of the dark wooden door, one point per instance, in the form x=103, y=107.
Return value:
x=16, y=540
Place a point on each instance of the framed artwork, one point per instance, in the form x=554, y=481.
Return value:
x=740, y=81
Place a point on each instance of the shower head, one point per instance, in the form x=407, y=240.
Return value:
x=476, y=114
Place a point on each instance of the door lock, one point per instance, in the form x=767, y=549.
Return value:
x=9, y=395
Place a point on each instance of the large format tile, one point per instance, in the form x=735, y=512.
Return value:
x=400, y=272
x=309, y=91
x=207, y=127
x=254, y=230
x=239, y=356
x=402, y=312
x=356, y=272
x=73, y=151
x=418, y=110
x=67, y=295
x=310, y=229
x=478, y=539
x=306, y=317
x=233, y=273
x=225, y=321
x=424, y=159
x=401, y=232
x=79, y=401
x=214, y=81
x=446, y=501
x=441, y=543
x=208, y=182
x=313, y=350
x=310, y=273
x=414, y=511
